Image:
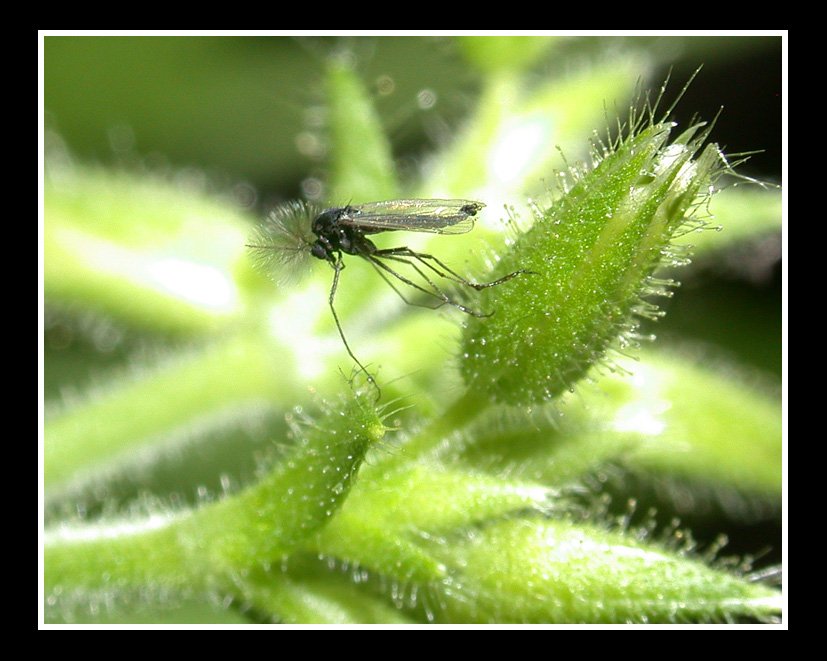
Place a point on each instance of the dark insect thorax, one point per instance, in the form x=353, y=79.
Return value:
x=334, y=236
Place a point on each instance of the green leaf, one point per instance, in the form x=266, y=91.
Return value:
x=112, y=430
x=362, y=167
x=380, y=527
x=304, y=594
x=714, y=423
x=741, y=214
x=511, y=143
x=205, y=548
x=142, y=251
x=556, y=571
x=496, y=53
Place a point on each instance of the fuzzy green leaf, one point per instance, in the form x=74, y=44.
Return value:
x=362, y=167
x=555, y=571
x=111, y=431
x=146, y=252
x=208, y=546
x=497, y=53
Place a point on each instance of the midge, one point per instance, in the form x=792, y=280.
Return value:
x=339, y=231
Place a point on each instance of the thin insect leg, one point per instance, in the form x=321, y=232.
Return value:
x=451, y=275
x=337, y=269
x=436, y=293
x=400, y=294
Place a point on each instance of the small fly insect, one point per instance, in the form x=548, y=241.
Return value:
x=339, y=231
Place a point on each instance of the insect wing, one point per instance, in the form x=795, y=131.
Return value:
x=437, y=216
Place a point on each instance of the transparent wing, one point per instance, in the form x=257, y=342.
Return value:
x=414, y=215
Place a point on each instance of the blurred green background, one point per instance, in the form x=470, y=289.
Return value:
x=242, y=105
x=246, y=115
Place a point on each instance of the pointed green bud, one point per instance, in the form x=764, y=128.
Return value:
x=593, y=253
x=251, y=528
x=301, y=493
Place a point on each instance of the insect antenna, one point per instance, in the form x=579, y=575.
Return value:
x=281, y=246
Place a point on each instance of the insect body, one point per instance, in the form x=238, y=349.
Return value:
x=339, y=231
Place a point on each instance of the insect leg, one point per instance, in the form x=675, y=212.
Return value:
x=450, y=275
x=436, y=293
x=381, y=272
x=337, y=269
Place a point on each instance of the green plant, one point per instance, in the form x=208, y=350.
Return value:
x=468, y=494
